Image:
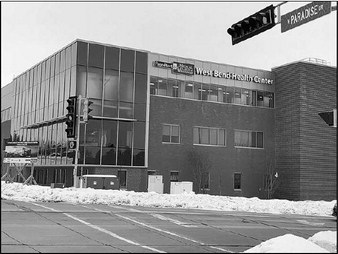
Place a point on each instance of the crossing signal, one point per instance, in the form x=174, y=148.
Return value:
x=329, y=117
x=253, y=25
x=71, y=117
x=86, y=109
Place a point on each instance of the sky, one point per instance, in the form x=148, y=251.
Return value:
x=320, y=242
x=32, y=31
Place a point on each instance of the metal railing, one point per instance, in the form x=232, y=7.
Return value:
x=316, y=60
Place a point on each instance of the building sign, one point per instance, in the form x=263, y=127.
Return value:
x=183, y=68
x=234, y=76
x=21, y=152
x=304, y=14
x=177, y=68
x=190, y=69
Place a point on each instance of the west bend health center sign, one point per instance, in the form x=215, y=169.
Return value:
x=190, y=69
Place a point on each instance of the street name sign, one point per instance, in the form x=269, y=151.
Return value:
x=304, y=14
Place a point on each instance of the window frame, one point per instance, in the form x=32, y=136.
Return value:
x=240, y=181
x=209, y=129
x=171, y=133
x=250, y=145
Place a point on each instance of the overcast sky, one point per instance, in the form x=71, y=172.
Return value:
x=32, y=31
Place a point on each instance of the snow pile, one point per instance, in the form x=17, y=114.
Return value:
x=326, y=240
x=287, y=244
x=18, y=191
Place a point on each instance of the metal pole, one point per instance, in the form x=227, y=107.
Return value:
x=77, y=150
x=278, y=12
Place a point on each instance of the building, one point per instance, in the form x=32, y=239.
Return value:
x=227, y=129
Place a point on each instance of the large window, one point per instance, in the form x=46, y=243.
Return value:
x=170, y=133
x=210, y=92
x=209, y=136
x=245, y=138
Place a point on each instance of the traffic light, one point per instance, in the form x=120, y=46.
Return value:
x=86, y=109
x=329, y=117
x=71, y=117
x=253, y=25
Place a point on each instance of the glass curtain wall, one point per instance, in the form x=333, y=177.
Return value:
x=115, y=80
x=41, y=95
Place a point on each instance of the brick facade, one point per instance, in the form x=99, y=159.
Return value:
x=305, y=144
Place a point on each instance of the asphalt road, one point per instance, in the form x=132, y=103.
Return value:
x=63, y=227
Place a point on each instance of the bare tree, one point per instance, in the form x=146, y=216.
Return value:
x=201, y=165
x=271, y=179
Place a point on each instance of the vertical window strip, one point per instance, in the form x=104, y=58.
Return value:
x=237, y=181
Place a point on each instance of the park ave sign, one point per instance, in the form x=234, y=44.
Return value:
x=304, y=14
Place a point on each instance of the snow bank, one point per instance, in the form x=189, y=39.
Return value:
x=18, y=191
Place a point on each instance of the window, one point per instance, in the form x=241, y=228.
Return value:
x=265, y=99
x=209, y=136
x=173, y=87
x=189, y=90
x=213, y=93
x=174, y=176
x=229, y=95
x=170, y=133
x=237, y=95
x=237, y=181
x=153, y=84
x=245, y=138
x=162, y=87
x=210, y=92
x=246, y=97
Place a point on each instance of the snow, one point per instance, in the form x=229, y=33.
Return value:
x=324, y=241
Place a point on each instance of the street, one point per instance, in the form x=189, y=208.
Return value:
x=64, y=227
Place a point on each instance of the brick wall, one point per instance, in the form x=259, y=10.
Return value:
x=305, y=145
x=225, y=161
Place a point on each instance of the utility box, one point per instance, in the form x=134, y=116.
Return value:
x=155, y=183
x=108, y=182
x=180, y=187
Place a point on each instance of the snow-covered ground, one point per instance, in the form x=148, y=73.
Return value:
x=324, y=241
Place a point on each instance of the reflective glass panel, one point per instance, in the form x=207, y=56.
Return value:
x=140, y=88
x=82, y=53
x=127, y=60
x=95, y=55
x=141, y=62
x=94, y=83
x=112, y=58
x=126, y=87
x=110, y=85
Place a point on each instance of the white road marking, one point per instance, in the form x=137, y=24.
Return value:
x=170, y=233
x=104, y=230
x=311, y=223
x=158, y=229
x=180, y=223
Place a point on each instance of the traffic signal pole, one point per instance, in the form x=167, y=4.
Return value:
x=77, y=150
